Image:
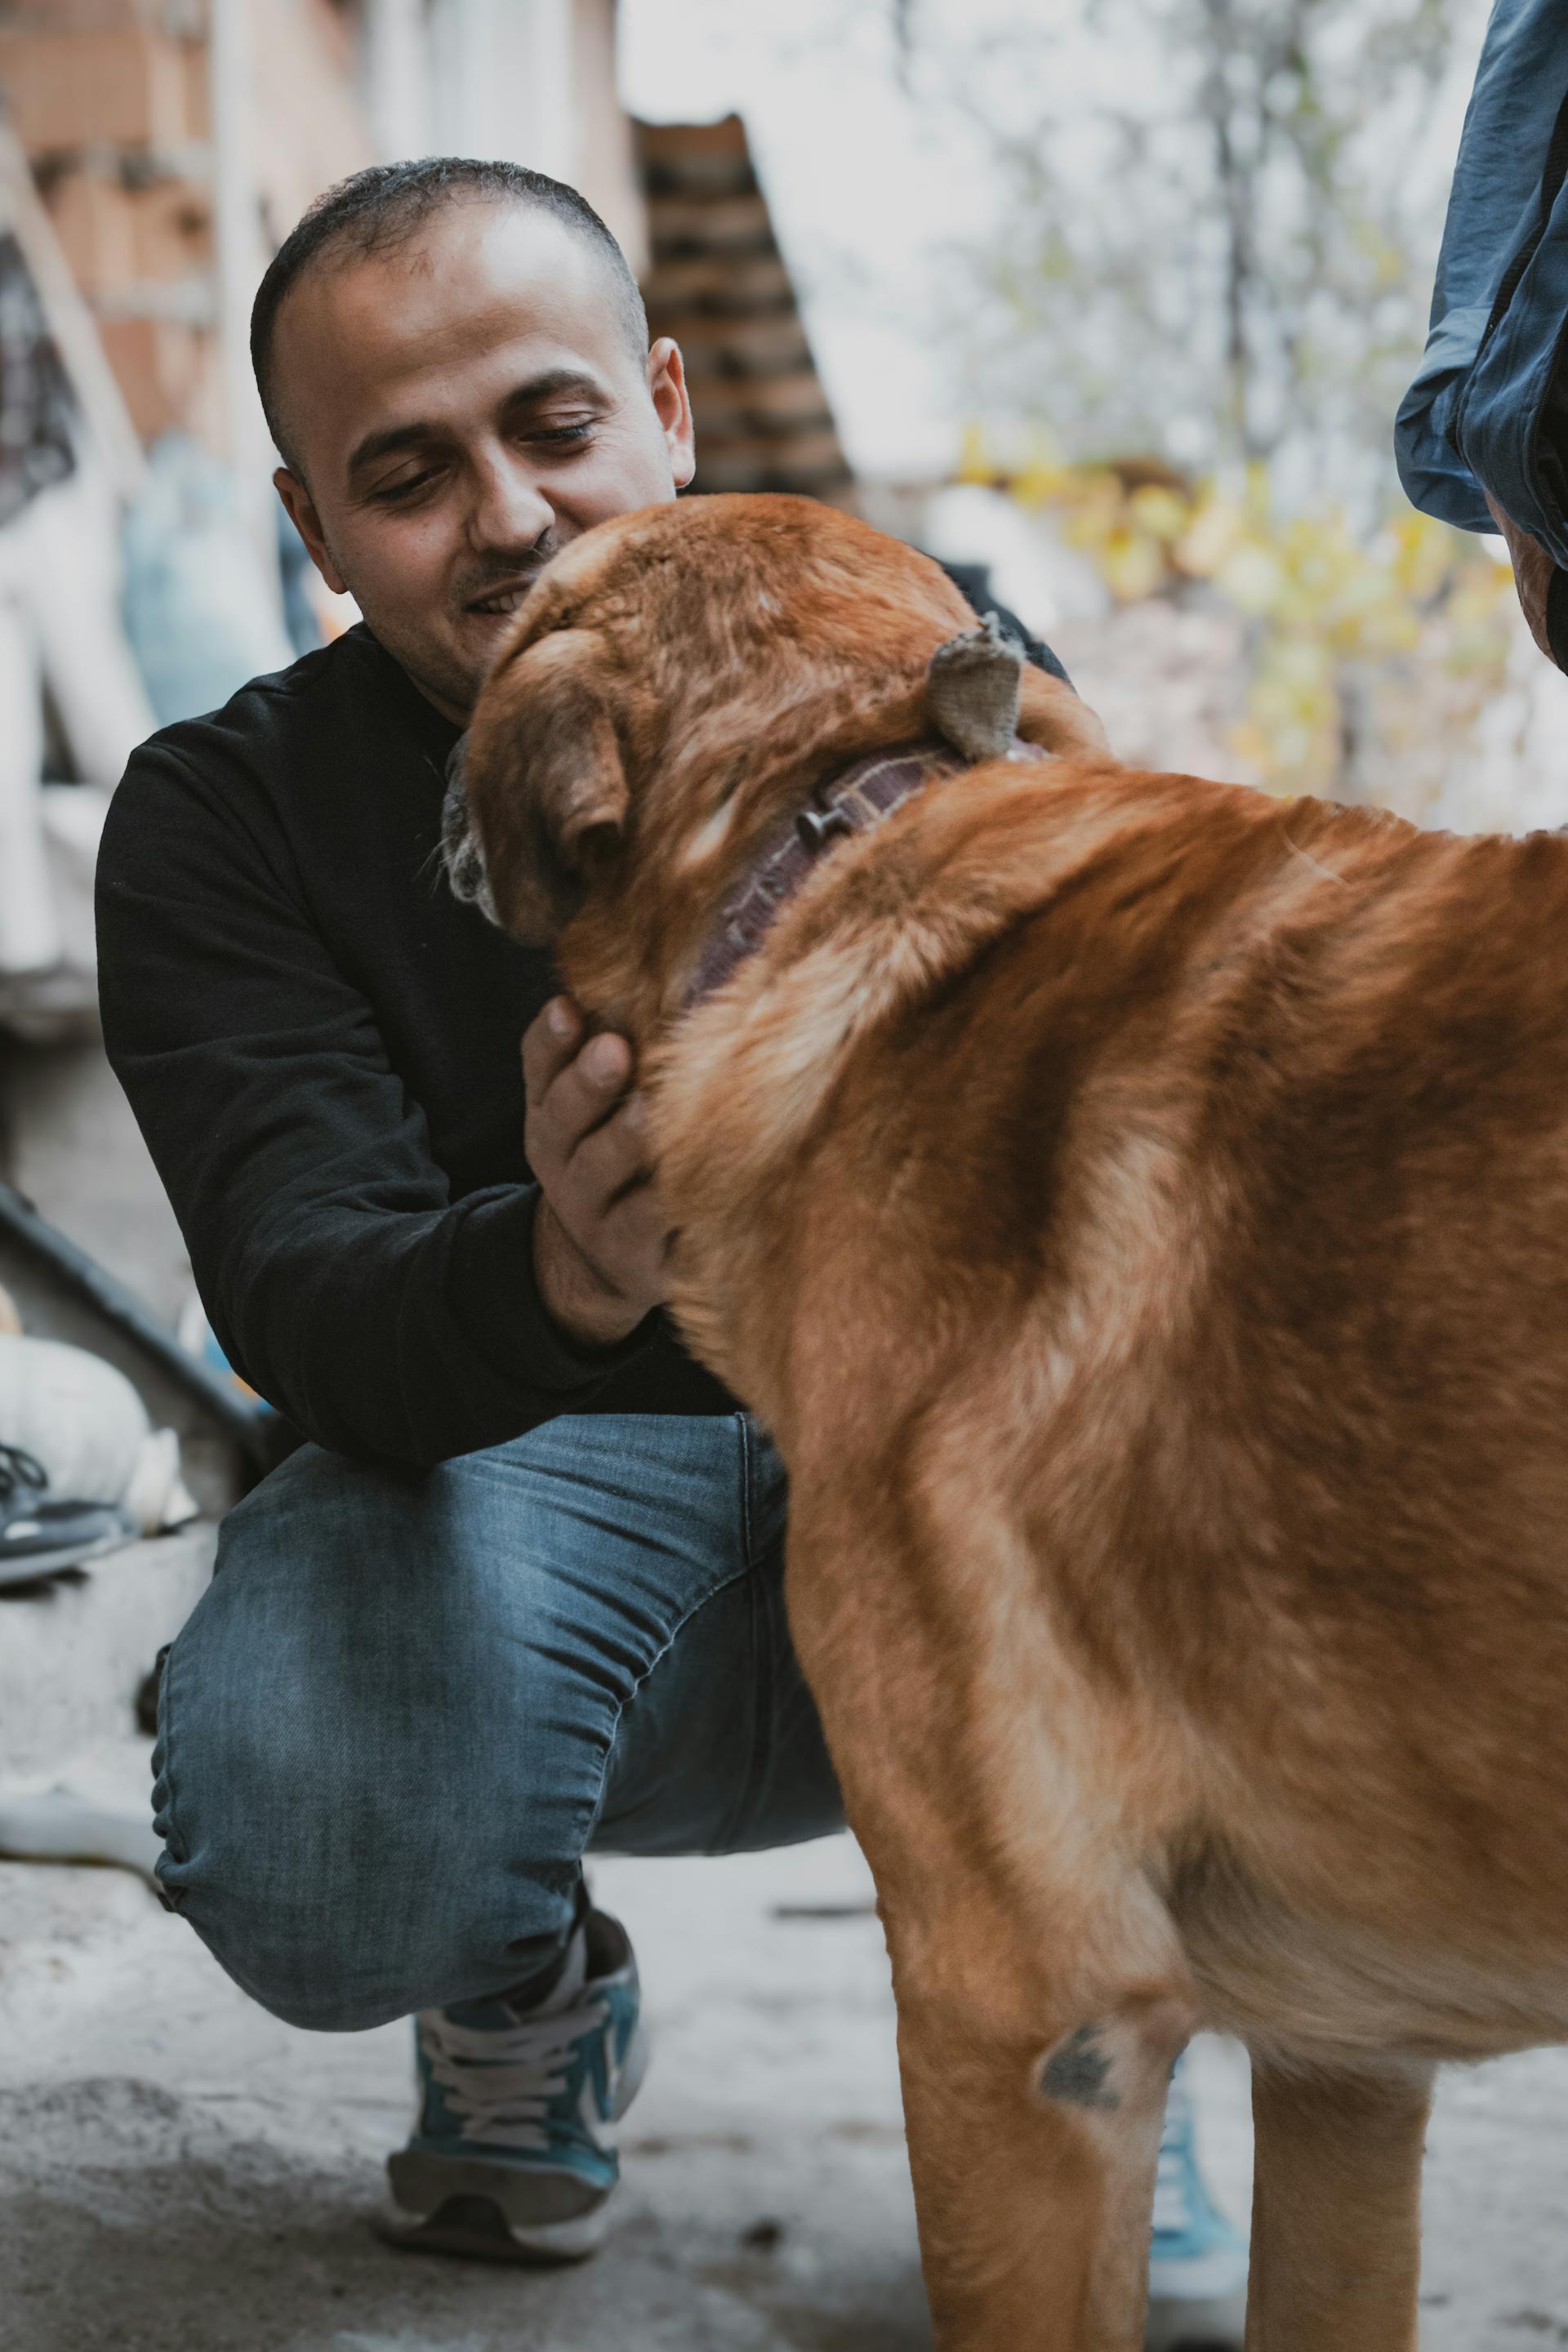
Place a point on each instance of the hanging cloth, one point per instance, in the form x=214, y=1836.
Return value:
x=1489, y=410
x=36, y=409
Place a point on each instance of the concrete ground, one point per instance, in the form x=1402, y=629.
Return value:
x=180, y=2173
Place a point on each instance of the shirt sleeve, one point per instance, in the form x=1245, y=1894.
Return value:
x=384, y=1318
x=1499, y=219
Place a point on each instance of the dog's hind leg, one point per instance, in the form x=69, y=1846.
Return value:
x=1336, y=2212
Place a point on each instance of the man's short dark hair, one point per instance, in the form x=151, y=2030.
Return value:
x=376, y=210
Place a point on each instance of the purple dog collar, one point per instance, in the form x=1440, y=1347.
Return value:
x=856, y=801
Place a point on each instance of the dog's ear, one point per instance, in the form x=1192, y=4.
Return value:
x=1053, y=716
x=971, y=691
x=981, y=692
x=543, y=783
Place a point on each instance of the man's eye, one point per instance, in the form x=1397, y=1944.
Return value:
x=561, y=435
x=406, y=488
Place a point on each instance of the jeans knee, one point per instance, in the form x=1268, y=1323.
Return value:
x=323, y=1962
x=311, y=1990
x=240, y=1876
x=319, y=1999
x=344, y=1826
x=322, y=1893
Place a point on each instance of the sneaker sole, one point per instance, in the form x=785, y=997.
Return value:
x=36, y=1566
x=1195, y=2324
x=474, y=2228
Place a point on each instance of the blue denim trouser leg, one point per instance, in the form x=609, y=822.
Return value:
x=409, y=1703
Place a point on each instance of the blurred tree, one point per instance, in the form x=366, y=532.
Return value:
x=1217, y=252
x=1365, y=649
x=904, y=36
x=1222, y=221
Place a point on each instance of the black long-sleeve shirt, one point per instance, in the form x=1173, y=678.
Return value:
x=322, y=1048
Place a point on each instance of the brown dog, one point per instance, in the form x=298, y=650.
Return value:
x=1140, y=1209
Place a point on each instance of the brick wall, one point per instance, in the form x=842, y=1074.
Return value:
x=111, y=99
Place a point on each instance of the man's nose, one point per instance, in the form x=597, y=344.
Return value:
x=509, y=510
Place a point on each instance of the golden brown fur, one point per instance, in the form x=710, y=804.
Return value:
x=1140, y=1208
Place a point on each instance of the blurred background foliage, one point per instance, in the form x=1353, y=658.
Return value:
x=1357, y=642
x=1217, y=235
x=1185, y=338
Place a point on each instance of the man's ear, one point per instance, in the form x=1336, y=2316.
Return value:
x=301, y=509
x=546, y=792
x=672, y=406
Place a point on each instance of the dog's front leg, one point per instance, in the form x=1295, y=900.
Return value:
x=1336, y=2211
x=1035, y=2173
x=1041, y=1991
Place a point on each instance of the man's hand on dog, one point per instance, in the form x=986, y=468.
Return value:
x=599, y=1240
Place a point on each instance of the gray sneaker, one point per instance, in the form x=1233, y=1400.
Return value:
x=513, y=2156
x=38, y=1535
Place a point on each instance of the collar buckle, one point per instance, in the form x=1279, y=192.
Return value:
x=816, y=827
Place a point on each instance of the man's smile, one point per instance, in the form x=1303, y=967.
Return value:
x=497, y=603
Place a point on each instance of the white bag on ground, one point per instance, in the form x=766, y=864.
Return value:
x=85, y=1425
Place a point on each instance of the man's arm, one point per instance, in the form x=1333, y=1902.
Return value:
x=385, y=1318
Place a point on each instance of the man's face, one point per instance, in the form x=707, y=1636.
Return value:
x=459, y=409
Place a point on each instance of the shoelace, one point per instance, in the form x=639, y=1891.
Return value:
x=19, y=1468
x=507, y=2100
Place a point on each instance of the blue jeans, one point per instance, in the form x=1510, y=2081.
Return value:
x=409, y=1704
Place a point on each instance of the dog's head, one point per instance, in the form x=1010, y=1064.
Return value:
x=673, y=675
